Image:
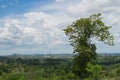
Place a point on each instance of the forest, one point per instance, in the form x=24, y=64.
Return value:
x=54, y=67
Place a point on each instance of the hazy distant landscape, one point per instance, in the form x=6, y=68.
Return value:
x=53, y=67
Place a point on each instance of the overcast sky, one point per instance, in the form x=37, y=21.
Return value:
x=36, y=26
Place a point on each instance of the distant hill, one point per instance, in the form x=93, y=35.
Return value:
x=40, y=56
x=110, y=54
x=52, y=55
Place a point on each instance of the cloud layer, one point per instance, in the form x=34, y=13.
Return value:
x=33, y=28
x=44, y=25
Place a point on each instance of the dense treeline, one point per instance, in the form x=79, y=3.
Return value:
x=108, y=60
x=52, y=68
x=34, y=69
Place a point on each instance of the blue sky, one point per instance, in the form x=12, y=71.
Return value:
x=8, y=7
x=36, y=26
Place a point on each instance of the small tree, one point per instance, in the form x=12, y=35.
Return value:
x=81, y=34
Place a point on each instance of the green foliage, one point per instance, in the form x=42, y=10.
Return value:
x=81, y=34
x=13, y=76
x=58, y=69
x=95, y=71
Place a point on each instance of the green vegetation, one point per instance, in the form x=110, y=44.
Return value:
x=56, y=68
x=43, y=68
x=81, y=32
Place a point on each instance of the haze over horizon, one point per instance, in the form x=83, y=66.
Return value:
x=36, y=26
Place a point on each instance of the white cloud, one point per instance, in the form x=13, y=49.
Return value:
x=34, y=28
x=38, y=16
x=117, y=37
x=87, y=7
x=45, y=27
x=109, y=9
x=10, y=31
x=59, y=0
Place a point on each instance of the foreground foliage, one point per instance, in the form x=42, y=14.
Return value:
x=57, y=68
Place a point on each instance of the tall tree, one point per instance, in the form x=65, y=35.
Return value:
x=81, y=34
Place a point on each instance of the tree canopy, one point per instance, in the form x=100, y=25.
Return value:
x=81, y=34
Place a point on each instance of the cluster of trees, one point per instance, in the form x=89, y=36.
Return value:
x=56, y=69
x=34, y=69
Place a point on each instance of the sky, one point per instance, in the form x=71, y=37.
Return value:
x=36, y=26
